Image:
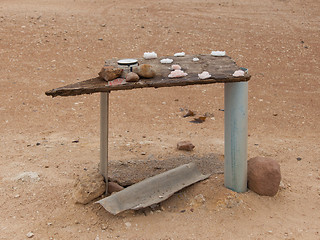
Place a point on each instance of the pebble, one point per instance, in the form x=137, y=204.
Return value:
x=185, y=145
x=128, y=224
x=132, y=77
x=30, y=234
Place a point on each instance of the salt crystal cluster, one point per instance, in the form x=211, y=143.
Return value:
x=218, y=53
x=204, y=75
x=238, y=73
x=195, y=59
x=177, y=74
x=176, y=67
x=150, y=55
x=180, y=54
x=166, y=60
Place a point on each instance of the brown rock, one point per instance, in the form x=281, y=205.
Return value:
x=132, y=77
x=145, y=71
x=185, y=145
x=264, y=176
x=109, y=73
x=88, y=186
x=114, y=187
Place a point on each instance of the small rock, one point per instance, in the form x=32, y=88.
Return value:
x=185, y=145
x=128, y=224
x=88, y=186
x=264, y=176
x=28, y=177
x=109, y=73
x=145, y=71
x=132, y=77
x=30, y=235
x=114, y=187
x=200, y=199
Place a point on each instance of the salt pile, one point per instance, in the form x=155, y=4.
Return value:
x=218, y=53
x=238, y=73
x=166, y=60
x=176, y=67
x=204, y=75
x=180, y=54
x=150, y=55
x=177, y=74
x=195, y=59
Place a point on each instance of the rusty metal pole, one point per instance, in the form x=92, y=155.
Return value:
x=104, y=125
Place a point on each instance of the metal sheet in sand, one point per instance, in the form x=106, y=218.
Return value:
x=153, y=190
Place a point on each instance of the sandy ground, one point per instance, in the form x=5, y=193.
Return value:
x=47, y=44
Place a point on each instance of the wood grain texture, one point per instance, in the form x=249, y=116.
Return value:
x=220, y=68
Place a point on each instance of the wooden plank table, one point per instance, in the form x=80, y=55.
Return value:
x=221, y=70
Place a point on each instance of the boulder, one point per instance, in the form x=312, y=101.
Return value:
x=185, y=145
x=88, y=186
x=264, y=176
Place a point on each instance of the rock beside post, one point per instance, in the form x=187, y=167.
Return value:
x=264, y=176
x=88, y=186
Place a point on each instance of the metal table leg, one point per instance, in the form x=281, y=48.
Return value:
x=236, y=135
x=104, y=108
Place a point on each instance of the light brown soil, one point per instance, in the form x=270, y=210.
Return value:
x=47, y=44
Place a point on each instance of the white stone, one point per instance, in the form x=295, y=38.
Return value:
x=150, y=55
x=204, y=75
x=28, y=177
x=30, y=235
x=176, y=67
x=195, y=59
x=166, y=60
x=218, y=53
x=128, y=224
x=180, y=54
x=238, y=73
x=177, y=74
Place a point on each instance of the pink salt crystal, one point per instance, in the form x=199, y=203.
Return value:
x=204, y=75
x=176, y=67
x=238, y=73
x=177, y=73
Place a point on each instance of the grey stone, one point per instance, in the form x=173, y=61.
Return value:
x=132, y=77
x=264, y=176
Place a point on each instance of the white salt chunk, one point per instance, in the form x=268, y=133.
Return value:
x=177, y=74
x=150, y=55
x=238, y=73
x=176, y=67
x=204, y=75
x=166, y=60
x=180, y=54
x=195, y=59
x=29, y=234
x=218, y=53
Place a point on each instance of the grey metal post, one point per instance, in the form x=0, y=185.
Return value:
x=236, y=135
x=104, y=108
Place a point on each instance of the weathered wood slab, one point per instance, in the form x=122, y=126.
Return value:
x=220, y=68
